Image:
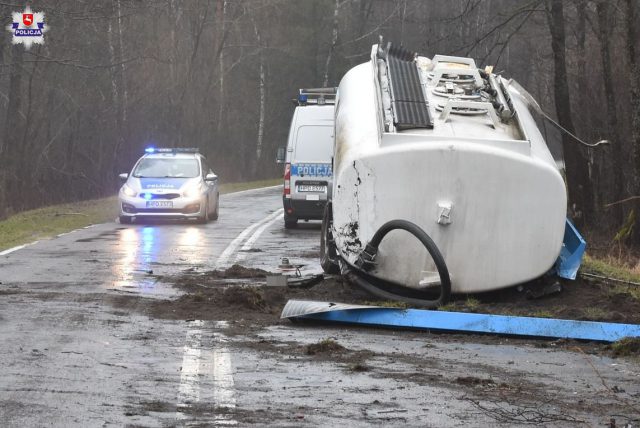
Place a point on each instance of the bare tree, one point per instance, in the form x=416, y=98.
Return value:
x=634, y=83
x=580, y=189
x=334, y=41
x=262, y=85
x=605, y=25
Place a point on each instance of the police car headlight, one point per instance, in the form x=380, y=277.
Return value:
x=128, y=190
x=192, y=191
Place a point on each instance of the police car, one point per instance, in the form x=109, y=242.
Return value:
x=170, y=183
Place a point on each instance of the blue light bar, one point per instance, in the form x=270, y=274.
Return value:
x=147, y=196
x=151, y=150
x=302, y=98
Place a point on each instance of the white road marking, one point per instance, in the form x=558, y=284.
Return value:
x=223, y=383
x=75, y=230
x=189, y=391
x=206, y=366
x=233, y=246
x=19, y=247
x=252, y=240
x=240, y=192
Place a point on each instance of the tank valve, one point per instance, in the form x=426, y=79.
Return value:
x=444, y=208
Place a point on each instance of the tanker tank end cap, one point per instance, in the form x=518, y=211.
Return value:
x=444, y=213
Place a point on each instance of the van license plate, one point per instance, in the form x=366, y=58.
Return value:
x=311, y=188
x=159, y=204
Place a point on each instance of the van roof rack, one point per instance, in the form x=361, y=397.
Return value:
x=318, y=96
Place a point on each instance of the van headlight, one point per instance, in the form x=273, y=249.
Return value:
x=192, y=191
x=128, y=190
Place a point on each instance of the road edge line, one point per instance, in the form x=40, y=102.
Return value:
x=239, y=192
x=248, y=244
x=227, y=253
x=19, y=247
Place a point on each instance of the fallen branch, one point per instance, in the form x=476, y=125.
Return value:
x=632, y=198
x=522, y=414
x=612, y=393
x=608, y=278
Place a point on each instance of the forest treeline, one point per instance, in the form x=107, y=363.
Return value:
x=114, y=76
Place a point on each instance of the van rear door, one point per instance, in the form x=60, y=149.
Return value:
x=311, y=169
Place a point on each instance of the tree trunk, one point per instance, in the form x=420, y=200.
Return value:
x=222, y=4
x=262, y=102
x=14, y=126
x=634, y=82
x=334, y=41
x=3, y=201
x=115, y=97
x=594, y=156
x=604, y=33
x=580, y=187
x=122, y=65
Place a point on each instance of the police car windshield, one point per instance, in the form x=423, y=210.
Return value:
x=167, y=168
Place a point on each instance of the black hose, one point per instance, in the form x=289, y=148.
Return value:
x=390, y=290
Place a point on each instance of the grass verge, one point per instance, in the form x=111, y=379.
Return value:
x=629, y=346
x=29, y=226
x=45, y=222
x=610, y=267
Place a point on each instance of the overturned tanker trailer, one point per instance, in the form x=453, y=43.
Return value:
x=443, y=182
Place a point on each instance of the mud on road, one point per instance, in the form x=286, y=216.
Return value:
x=510, y=391
x=224, y=294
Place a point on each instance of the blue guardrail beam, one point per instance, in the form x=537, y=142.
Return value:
x=463, y=322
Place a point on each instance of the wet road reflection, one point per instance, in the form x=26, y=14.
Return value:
x=153, y=249
x=148, y=249
x=192, y=245
x=131, y=270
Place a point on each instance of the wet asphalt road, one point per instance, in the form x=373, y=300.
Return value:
x=71, y=358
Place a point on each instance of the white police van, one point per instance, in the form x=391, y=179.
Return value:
x=308, y=157
x=172, y=183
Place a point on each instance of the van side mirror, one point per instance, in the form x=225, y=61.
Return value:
x=211, y=177
x=280, y=156
x=123, y=176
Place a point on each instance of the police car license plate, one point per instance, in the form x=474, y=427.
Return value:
x=311, y=188
x=159, y=204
